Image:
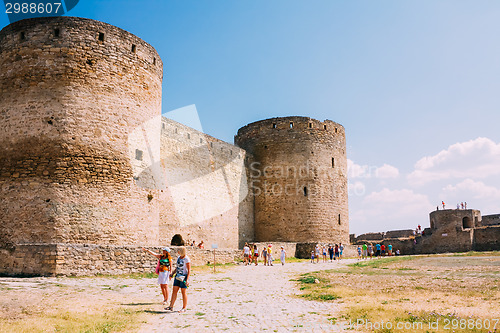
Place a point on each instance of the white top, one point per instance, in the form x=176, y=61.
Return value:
x=181, y=265
x=246, y=249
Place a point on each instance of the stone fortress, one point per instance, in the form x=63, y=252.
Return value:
x=90, y=172
x=451, y=230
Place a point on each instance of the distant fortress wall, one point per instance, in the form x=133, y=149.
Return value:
x=451, y=230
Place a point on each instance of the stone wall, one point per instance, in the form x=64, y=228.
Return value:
x=398, y=233
x=490, y=220
x=207, y=196
x=299, y=179
x=487, y=238
x=91, y=259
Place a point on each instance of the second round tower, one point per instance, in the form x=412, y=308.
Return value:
x=298, y=174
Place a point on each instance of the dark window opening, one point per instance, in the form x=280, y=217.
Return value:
x=189, y=136
x=335, y=129
x=291, y=124
x=211, y=144
x=101, y=36
x=310, y=125
x=22, y=36
x=138, y=155
x=57, y=32
x=265, y=147
x=466, y=223
x=231, y=152
x=324, y=126
x=201, y=140
x=305, y=191
x=176, y=131
x=50, y=122
x=274, y=125
x=48, y=200
x=154, y=61
x=339, y=219
x=333, y=162
x=163, y=126
x=134, y=48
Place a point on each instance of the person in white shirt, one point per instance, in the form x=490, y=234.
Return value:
x=282, y=255
x=181, y=272
x=246, y=254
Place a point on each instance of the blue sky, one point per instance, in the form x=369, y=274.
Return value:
x=415, y=83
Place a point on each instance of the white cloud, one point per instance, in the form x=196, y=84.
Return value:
x=387, y=171
x=472, y=189
x=364, y=171
x=392, y=209
x=475, y=159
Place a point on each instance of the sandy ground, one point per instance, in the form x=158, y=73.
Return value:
x=235, y=299
x=249, y=299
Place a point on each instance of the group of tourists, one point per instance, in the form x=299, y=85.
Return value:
x=251, y=254
x=379, y=250
x=335, y=252
x=180, y=275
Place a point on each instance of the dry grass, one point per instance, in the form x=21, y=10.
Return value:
x=418, y=290
x=116, y=320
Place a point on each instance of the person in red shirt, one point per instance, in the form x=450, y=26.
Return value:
x=382, y=248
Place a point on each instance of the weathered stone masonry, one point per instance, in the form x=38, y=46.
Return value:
x=90, y=172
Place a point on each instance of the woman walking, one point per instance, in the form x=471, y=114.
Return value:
x=182, y=272
x=255, y=255
x=163, y=270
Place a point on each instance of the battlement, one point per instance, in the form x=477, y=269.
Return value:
x=63, y=35
x=288, y=125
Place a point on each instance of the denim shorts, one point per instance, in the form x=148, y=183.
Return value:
x=180, y=284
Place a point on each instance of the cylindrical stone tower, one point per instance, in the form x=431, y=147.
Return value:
x=299, y=178
x=71, y=92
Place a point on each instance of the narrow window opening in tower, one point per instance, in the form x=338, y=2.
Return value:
x=335, y=129
x=339, y=219
x=305, y=191
x=138, y=155
x=101, y=36
x=333, y=162
x=57, y=32
x=201, y=140
x=163, y=126
x=176, y=131
x=134, y=48
x=274, y=125
x=154, y=61
x=189, y=136
x=291, y=124
x=231, y=152
x=324, y=126
x=211, y=144
x=22, y=36
x=310, y=125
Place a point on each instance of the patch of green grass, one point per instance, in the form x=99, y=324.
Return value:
x=199, y=314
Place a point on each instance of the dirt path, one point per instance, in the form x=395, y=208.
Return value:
x=248, y=299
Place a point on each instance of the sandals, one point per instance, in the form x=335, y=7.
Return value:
x=182, y=310
x=169, y=308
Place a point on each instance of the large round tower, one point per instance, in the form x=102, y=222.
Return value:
x=299, y=178
x=71, y=92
